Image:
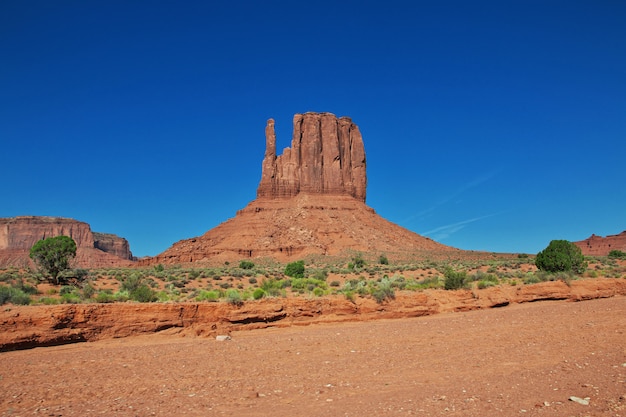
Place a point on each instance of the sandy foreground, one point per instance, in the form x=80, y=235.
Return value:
x=519, y=360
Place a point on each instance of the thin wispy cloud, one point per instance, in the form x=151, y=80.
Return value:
x=443, y=232
x=467, y=186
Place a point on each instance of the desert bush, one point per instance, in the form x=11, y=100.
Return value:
x=295, y=269
x=617, y=254
x=143, y=294
x=382, y=259
x=383, y=291
x=48, y=301
x=252, y=280
x=274, y=287
x=307, y=284
x=88, y=290
x=210, y=296
x=246, y=264
x=454, y=280
x=320, y=274
x=105, y=296
x=66, y=289
x=561, y=255
x=70, y=298
x=13, y=295
x=357, y=263
x=532, y=279
x=258, y=293
x=318, y=292
x=233, y=297
x=485, y=284
x=334, y=283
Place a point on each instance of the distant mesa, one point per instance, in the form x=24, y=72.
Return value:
x=310, y=201
x=601, y=246
x=94, y=250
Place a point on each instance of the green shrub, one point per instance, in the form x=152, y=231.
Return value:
x=532, y=279
x=318, y=292
x=357, y=262
x=246, y=265
x=383, y=291
x=295, y=269
x=233, y=297
x=66, y=289
x=485, y=284
x=382, y=259
x=252, y=280
x=143, y=294
x=273, y=287
x=88, y=290
x=13, y=296
x=48, y=301
x=454, y=280
x=617, y=254
x=258, y=293
x=320, y=274
x=561, y=255
x=334, y=283
x=210, y=296
x=70, y=298
x=132, y=282
x=105, y=297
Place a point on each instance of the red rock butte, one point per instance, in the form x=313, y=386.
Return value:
x=601, y=246
x=94, y=250
x=310, y=201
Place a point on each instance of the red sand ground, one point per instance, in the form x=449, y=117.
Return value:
x=520, y=360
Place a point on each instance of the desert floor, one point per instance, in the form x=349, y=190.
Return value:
x=519, y=360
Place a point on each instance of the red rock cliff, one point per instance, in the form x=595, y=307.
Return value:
x=326, y=156
x=601, y=246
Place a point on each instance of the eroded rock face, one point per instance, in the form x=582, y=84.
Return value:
x=113, y=244
x=326, y=156
x=601, y=246
x=19, y=234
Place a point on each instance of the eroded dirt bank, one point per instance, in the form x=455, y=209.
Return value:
x=25, y=327
x=522, y=360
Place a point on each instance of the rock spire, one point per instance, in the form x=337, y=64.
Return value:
x=326, y=156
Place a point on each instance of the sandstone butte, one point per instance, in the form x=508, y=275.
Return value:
x=310, y=201
x=601, y=246
x=94, y=250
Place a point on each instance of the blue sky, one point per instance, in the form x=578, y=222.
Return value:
x=488, y=125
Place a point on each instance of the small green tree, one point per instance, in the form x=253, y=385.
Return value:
x=560, y=256
x=53, y=255
x=295, y=269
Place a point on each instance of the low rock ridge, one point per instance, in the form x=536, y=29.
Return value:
x=27, y=327
x=19, y=234
x=601, y=246
x=326, y=156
